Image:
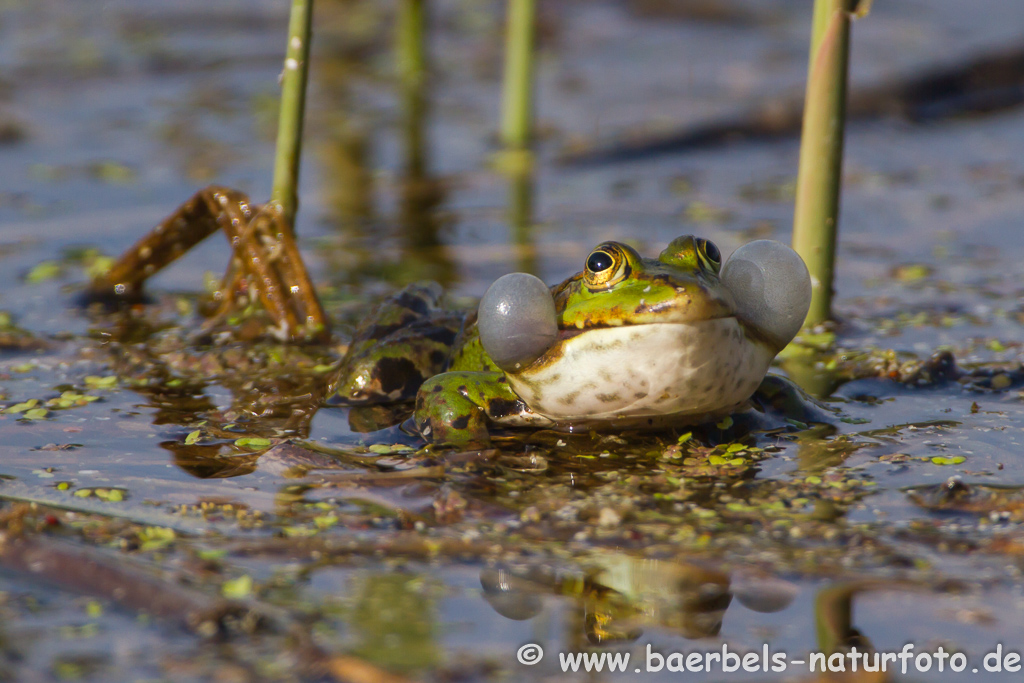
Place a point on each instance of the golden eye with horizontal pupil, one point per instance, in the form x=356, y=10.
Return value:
x=606, y=265
x=710, y=256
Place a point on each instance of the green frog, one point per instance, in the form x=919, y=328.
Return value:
x=629, y=342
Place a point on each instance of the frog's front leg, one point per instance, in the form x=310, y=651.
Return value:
x=458, y=408
x=785, y=398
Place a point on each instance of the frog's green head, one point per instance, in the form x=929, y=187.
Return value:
x=692, y=254
x=764, y=284
x=619, y=287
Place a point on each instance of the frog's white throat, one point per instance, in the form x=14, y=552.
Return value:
x=689, y=370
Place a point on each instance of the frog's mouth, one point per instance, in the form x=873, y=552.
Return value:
x=565, y=333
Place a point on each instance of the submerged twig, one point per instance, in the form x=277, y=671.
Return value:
x=412, y=545
x=88, y=572
x=96, y=574
x=431, y=472
x=267, y=258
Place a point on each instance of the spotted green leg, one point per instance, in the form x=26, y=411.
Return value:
x=456, y=408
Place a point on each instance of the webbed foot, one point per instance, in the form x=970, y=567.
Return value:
x=784, y=397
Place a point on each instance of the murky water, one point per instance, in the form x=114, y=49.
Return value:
x=438, y=565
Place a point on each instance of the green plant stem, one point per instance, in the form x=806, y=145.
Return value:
x=833, y=616
x=411, y=52
x=517, y=98
x=816, y=215
x=411, y=65
x=293, y=105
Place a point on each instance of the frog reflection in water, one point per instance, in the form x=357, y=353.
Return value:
x=629, y=342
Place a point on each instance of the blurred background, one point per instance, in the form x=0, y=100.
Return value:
x=680, y=115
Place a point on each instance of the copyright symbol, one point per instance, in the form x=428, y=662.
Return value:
x=530, y=654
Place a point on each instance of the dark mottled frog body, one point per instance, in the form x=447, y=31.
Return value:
x=408, y=340
x=629, y=342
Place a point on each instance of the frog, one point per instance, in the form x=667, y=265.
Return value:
x=627, y=343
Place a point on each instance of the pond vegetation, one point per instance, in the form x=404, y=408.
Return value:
x=180, y=503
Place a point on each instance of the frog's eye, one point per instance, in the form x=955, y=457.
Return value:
x=599, y=261
x=709, y=255
x=606, y=265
